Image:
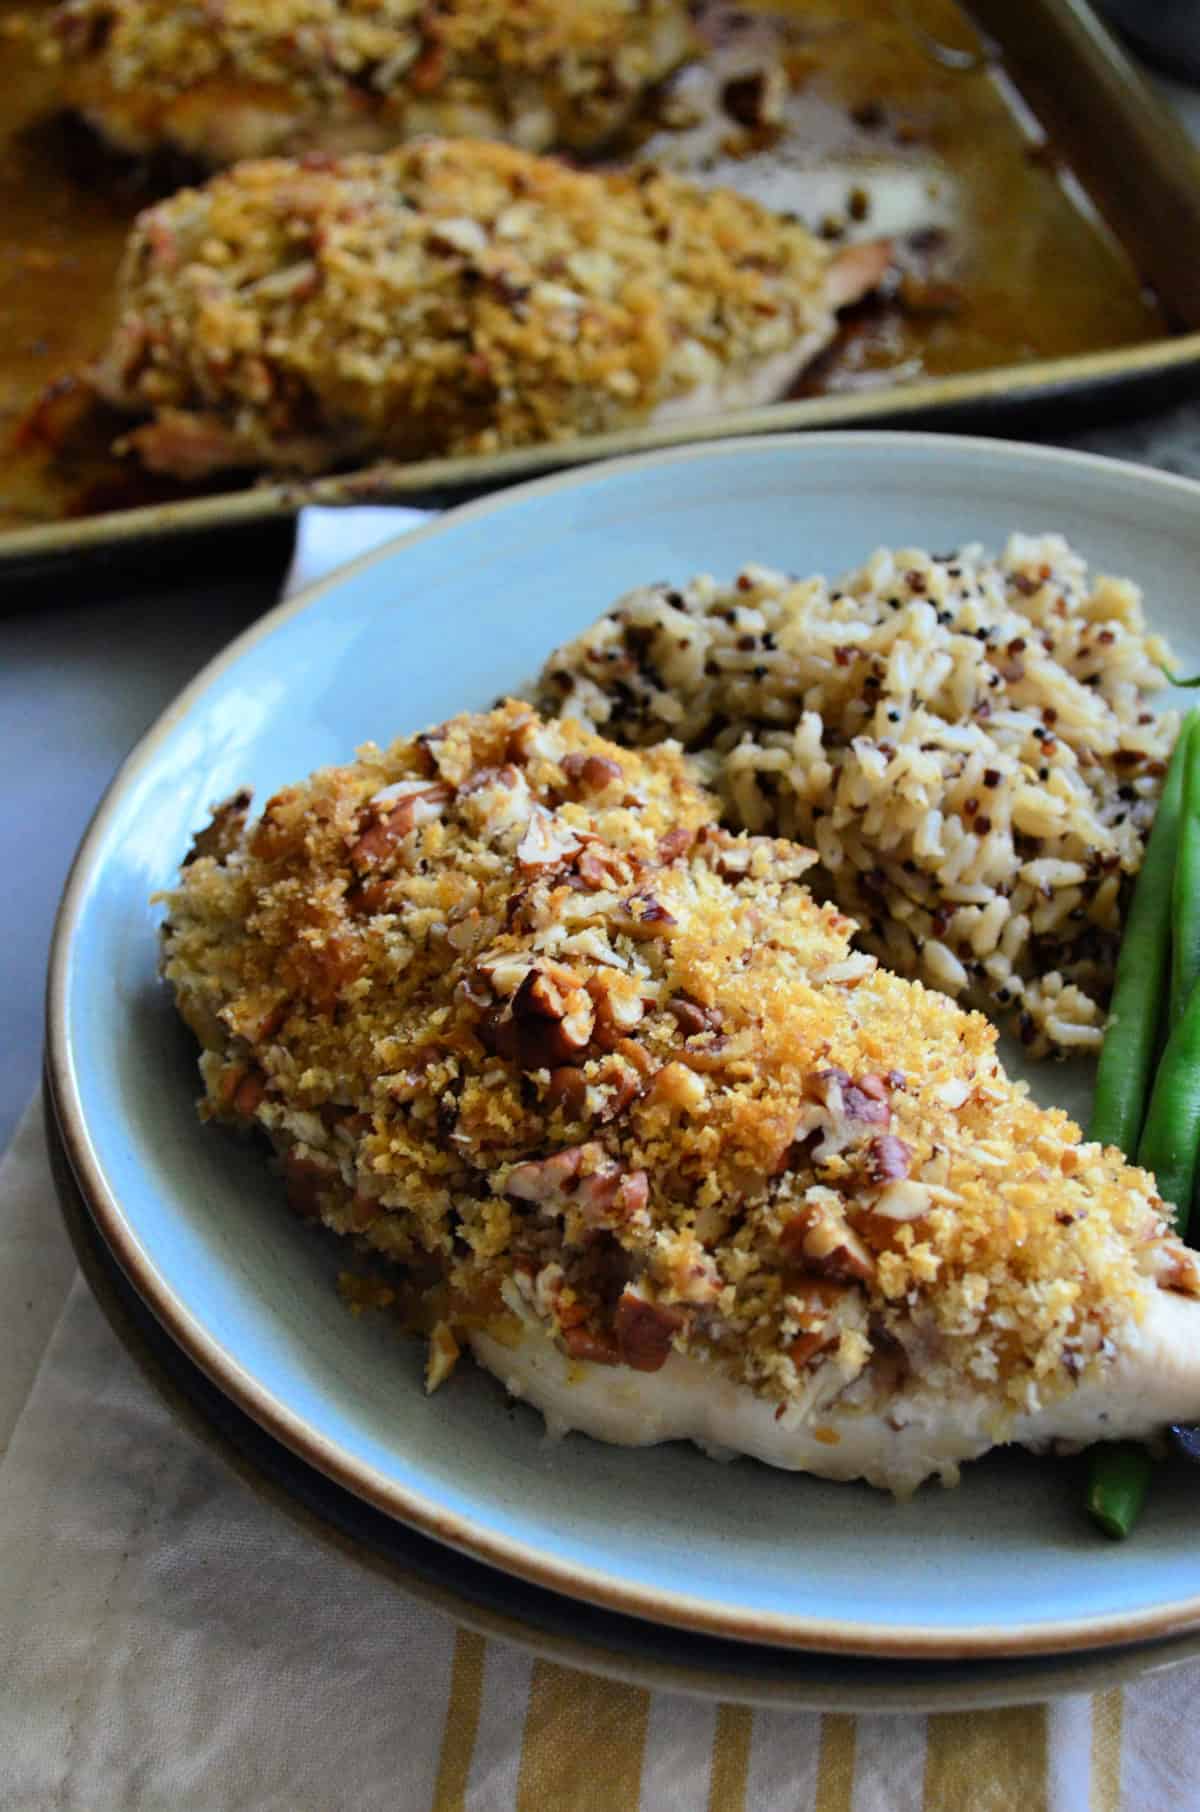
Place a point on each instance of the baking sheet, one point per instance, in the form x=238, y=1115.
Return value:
x=1021, y=274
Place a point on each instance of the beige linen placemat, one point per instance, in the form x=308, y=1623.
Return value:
x=168, y=1640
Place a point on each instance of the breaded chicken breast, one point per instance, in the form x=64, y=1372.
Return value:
x=643, y=1131
x=254, y=78
x=450, y=297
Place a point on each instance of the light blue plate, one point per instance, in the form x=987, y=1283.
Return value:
x=447, y=619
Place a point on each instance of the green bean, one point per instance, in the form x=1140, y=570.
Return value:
x=1185, y=887
x=1119, y=1475
x=1118, y=1479
x=1123, y=1074
x=1170, y=1139
x=1119, y=1472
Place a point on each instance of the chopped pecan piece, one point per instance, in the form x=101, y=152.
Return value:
x=507, y=776
x=592, y=773
x=499, y=1033
x=620, y=1085
x=902, y=1201
x=545, y=1179
x=867, y=1099
x=418, y=804
x=428, y=745
x=638, y=1056
x=676, y=843
x=585, y=1177
x=546, y=842
x=888, y=1159
x=595, y=1345
x=756, y=98
x=600, y=867
x=816, y=1303
x=618, y=1001
x=567, y=1088
x=219, y=837
x=644, y=1331
x=608, y=1195
x=527, y=739
x=691, y=1017
x=554, y=1017
x=806, y=1346
x=822, y=1241
x=271, y=1021
x=643, y=916
x=249, y=1094
x=1175, y=1268
x=305, y=1179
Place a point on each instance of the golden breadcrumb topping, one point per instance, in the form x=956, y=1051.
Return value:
x=450, y=296
x=537, y=69
x=515, y=1012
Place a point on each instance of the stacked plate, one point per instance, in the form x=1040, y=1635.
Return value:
x=652, y=1564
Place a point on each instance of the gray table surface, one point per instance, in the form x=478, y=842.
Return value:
x=81, y=680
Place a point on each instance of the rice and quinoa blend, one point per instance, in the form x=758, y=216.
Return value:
x=965, y=741
x=447, y=297
x=515, y=1012
x=324, y=74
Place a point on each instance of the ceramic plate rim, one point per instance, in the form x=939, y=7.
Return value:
x=832, y=1635
x=972, y=1687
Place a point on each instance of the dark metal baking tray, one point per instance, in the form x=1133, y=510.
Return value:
x=1078, y=198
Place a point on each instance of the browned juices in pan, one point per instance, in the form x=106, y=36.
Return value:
x=1001, y=259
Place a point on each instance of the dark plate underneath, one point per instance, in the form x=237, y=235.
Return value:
x=575, y=1634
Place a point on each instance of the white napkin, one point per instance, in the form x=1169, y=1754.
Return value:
x=327, y=538
x=168, y=1640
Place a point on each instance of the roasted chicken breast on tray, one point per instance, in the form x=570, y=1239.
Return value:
x=251, y=78
x=648, y=1137
x=453, y=296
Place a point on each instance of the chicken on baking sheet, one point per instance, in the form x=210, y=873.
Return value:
x=453, y=296
x=649, y=1138
x=250, y=78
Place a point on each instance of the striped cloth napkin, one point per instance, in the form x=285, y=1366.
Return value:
x=167, y=1640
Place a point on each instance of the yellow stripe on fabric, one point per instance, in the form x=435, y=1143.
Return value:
x=986, y=1761
x=583, y=1745
x=1108, y=1710
x=730, y=1758
x=462, y=1723
x=835, y=1764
